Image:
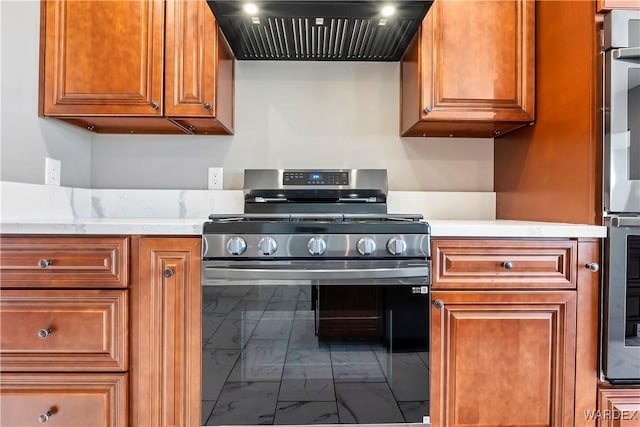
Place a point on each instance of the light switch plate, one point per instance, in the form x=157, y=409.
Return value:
x=215, y=179
x=52, y=169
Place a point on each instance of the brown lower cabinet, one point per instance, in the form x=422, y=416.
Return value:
x=165, y=332
x=503, y=358
x=514, y=333
x=507, y=318
x=64, y=318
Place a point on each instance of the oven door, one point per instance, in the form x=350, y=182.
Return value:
x=621, y=332
x=315, y=342
x=622, y=130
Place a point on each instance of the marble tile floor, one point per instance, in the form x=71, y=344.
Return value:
x=263, y=364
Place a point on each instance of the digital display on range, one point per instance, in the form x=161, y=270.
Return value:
x=315, y=178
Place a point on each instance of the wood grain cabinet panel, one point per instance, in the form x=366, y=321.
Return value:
x=503, y=358
x=104, y=66
x=505, y=264
x=618, y=407
x=103, y=58
x=165, y=332
x=64, y=262
x=587, y=337
x=470, y=71
x=199, y=71
x=70, y=330
x=63, y=400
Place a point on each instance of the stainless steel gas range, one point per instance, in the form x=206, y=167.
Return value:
x=315, y=304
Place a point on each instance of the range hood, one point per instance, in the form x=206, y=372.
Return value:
x=319, y=30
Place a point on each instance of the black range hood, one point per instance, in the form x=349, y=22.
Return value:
x=319, y=30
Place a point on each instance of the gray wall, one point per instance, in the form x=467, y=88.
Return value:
x=288, y=114
x=26, y=139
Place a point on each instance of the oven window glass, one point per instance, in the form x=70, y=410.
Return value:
x=633, y=112
x=632, y=315
x=313, y=353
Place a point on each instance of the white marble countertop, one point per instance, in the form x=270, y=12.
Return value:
x=45, y=209
x=193, y=226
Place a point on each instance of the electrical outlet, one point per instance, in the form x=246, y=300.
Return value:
x=215, y=179
x=52, y=169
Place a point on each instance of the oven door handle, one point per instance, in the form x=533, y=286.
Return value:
x=625, y=221
x=248, y=273
x=627, y=53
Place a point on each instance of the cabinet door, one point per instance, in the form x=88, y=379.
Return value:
x=102, y=58
x=190, y=62
x=63, y=330
x=199, y=70
x=503, y=358
x=64, y=262
x=475, y=66
x=165, y=332
x=503, y=264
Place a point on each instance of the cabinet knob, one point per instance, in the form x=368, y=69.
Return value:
x=154, y=105
x=508, y=265
x=91, y=127
x=192, y=128
x=207, y=106
x=43, y=418
x=593, y=266
x=428, y=109
x=168, y=273
x=438, y=303
x=44, y=263
x=45, y=332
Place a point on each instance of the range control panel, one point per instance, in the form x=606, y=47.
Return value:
x=316, y=178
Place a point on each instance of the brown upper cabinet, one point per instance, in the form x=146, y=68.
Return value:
x=607, y=5
x=145, y=66
x=469, y=72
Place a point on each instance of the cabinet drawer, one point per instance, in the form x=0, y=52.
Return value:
x=64, y=262
x=69, y=400
x=501, y=264
x=65, y=330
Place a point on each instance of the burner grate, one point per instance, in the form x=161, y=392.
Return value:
x=311, y=217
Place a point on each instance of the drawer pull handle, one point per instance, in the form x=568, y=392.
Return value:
x=43, y=333
x=508, y=265
x=44, y=263
x=437, y=303
x=593, y=266
x=168, y=273
x=45, y=417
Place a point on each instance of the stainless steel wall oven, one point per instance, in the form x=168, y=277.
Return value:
x=315, y=304
x=621, y=166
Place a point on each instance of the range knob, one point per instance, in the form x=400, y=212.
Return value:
x=396, y=246
x=317, y=245
x=236, y=245
x=366, y=246
x=267, y=245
